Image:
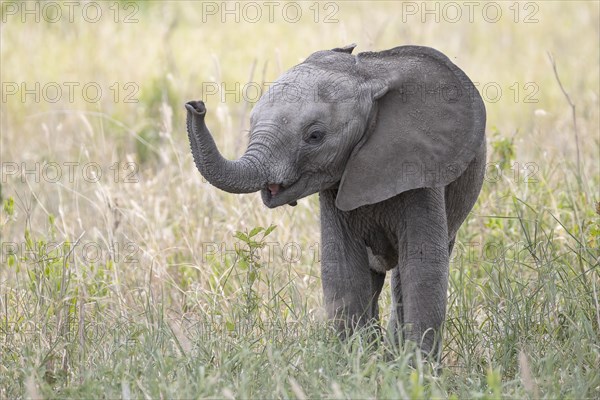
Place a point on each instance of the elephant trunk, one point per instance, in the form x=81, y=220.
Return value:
x=240, y=176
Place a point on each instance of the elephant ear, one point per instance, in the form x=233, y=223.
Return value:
x=346, y=49
x=427, y=123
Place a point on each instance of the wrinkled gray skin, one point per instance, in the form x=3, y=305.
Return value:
x=394, y=144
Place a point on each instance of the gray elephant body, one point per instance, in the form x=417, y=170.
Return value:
x=411, y=235
x=394, y=143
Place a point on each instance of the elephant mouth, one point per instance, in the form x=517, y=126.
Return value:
x=277, y=194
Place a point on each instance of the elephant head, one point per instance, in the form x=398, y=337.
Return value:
x=374, y=125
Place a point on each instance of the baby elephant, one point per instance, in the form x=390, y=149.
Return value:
x=394, y=142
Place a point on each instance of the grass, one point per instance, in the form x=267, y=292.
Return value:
x=145, y=281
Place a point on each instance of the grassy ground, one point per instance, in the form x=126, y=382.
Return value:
x=124, y=276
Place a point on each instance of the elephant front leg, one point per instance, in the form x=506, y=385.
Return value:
x=423, y=269
x=351, y=289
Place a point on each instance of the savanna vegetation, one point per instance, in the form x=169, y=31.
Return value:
x=124, y=274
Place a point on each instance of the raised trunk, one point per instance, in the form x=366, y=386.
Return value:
x=240, y=176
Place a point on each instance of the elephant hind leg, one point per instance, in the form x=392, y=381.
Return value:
x=377, y=281
x=379, y=266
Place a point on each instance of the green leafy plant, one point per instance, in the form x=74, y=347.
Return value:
x=249, y=261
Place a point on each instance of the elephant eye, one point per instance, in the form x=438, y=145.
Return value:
x=315, y=137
